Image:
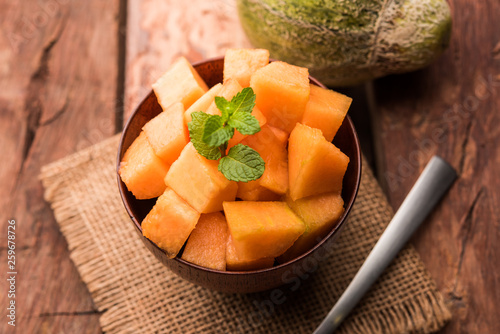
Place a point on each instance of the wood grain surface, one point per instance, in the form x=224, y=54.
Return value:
x=57, y=91
x=159, y=31
x=452, y=109
x=70, y=73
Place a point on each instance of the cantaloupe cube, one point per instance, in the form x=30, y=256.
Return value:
x=238, y=137
x=202, y=103
x=181, y=83
x=170, y=222
x=234, y=263
x=282, y=93
x=253, y=191
x=207, y=243
x=320, y=213
x=142, y=171
x=280, y=134
x=315, y=166
x=262, y=229
x=326, y=110
x=273, y=151
x=167, y=133
x=198, y=181
x=229, y=89
x=240, y=64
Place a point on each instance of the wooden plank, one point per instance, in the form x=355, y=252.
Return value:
x=452, y=109
x=158, y=31
x=58, y=79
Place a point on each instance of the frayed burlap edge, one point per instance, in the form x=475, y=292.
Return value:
x=425, y=313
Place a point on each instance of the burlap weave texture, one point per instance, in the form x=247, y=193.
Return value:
x=137, y=294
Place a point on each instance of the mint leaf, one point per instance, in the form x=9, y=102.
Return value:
x=210, y=135
x=215, y=133
x=196, y=130
x=224, y=106
x=242, y=163
x=244, y=101
x=244, y=122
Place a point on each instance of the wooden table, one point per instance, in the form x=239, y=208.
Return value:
x=71, y=71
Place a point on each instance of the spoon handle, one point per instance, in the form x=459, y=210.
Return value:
x=432, y=184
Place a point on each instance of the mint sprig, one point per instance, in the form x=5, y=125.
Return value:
x=244, y=122
x=198, y=121
x=210, y=135
x=215, y=133
x=243, y=101
x=224, y=106
x=242, y=163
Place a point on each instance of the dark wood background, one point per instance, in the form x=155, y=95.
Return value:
x=71, y=71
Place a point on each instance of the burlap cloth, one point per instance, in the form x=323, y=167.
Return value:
x=137, y=294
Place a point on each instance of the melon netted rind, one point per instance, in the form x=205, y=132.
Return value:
x=345, y=42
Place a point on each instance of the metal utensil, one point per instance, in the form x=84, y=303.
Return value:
x=432, y=184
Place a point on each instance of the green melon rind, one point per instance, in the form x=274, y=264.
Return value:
x=347, y=42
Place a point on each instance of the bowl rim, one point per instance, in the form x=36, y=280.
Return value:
x=122, y=188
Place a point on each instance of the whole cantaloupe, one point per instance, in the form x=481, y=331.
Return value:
x=344, y=42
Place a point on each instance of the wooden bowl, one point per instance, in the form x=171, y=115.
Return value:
x=233, y=281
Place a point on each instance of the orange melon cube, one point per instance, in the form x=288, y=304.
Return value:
x=202, y=103
x=253, y=191
x=167, y=134
x=198, y=181
x=315, y=165
x=229, y=89
x=142, y=171
x=238, y=137
x=280, y=134
x=262, y=229
x=181, y=83
x=207, y=243
x=273, y=151
x=170, y=222
x=240, y=64
x=234, y=263
x=320, y=213
x=326, y=110
x=282, y=93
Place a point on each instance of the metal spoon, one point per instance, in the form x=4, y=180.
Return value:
x=432, y=184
